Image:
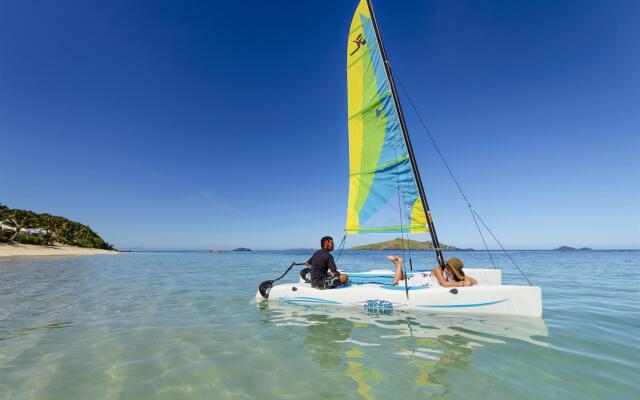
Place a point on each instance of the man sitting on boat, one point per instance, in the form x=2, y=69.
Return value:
x=324, y=273
x=451, y=276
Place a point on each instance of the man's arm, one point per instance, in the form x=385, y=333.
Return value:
x=309, y=261
x=332, y=266
x=470, y=281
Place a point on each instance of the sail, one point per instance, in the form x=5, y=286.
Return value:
x=383, y=195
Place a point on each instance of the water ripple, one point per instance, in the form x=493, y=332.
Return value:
x=163, y=325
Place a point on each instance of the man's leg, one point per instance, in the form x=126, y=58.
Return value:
x=332, y=282
x=398, y=275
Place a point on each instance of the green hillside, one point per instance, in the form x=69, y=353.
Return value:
x=397, y=244
x=23, y=226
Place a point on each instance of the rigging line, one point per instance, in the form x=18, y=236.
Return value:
x=444, y=161
x=409, y=249
x=408, y=241
x=502, y=247
x=471, y=210
x=341, y=246
x=400, y=208
x=431, y=138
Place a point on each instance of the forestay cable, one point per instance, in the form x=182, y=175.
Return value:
x=473, y=212
x=502, y=247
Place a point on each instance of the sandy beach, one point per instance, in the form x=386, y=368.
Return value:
x=20, y=250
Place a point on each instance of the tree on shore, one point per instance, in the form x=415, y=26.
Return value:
x=51, y=229
x=19, y=219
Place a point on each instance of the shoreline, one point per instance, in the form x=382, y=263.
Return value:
x=31, y=250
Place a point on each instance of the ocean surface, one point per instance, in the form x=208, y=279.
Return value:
x=187, y=325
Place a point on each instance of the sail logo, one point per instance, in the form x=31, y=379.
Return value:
x=359, y=42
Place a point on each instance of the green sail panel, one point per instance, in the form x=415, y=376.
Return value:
x=383, y=195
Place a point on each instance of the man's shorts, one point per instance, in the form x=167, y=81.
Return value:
x=330, y=282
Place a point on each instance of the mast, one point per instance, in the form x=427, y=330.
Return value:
x=405, y=133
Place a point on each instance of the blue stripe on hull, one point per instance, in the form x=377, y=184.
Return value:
x=308, y=300
x=462, y=305
x=402, y=287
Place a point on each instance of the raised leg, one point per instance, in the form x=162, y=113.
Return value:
x=398, y=275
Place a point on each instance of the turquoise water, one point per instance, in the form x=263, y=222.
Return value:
x=186, y=325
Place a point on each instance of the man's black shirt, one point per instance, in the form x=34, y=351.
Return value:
x=321, y=261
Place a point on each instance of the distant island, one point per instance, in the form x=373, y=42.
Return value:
x=241, y=249
x=30, y=228
x=397, y=244
x=567, y=248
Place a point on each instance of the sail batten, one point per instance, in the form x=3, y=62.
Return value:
x=380, y=167
x=383, y=193
x=370, y=106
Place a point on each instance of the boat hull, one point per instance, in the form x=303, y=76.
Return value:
x=485, y=298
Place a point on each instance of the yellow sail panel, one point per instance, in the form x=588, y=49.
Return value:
x=383, y=195
x=418, y=216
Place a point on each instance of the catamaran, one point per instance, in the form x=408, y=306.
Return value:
x=386, y=195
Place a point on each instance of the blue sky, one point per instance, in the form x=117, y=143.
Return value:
x=203, y=124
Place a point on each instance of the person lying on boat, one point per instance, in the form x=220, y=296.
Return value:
x=452, y=276
x=324, y=273
x=417, y=279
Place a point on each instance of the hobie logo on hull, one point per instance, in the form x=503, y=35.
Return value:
x=377, y=304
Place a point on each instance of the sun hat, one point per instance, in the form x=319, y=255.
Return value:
x=456, y=265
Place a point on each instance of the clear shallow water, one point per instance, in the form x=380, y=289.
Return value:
x=182, y=325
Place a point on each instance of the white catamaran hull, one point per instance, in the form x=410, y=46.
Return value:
x=488, y=297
